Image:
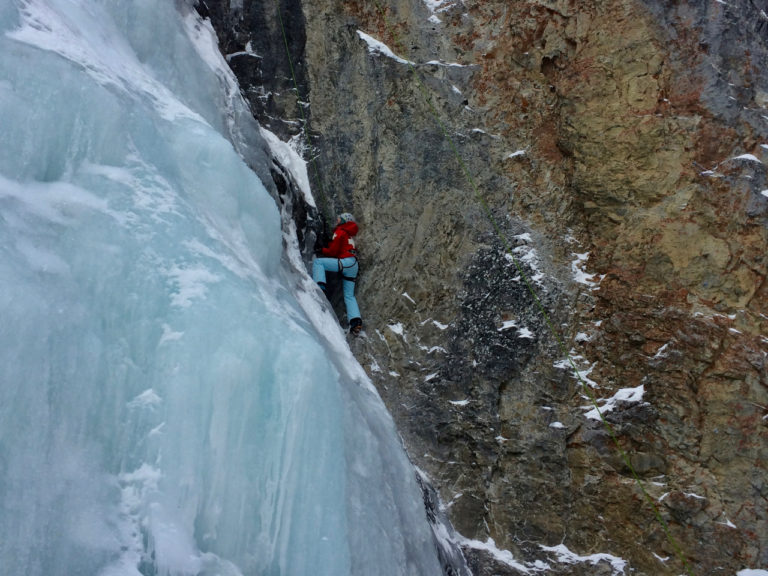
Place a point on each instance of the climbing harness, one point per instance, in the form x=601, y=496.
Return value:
x=349, y=278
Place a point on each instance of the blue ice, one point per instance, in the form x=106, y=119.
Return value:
x=166, y=405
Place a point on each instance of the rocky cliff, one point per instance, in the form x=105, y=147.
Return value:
x=564, y=209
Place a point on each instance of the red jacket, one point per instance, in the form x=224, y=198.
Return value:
x=342, y=245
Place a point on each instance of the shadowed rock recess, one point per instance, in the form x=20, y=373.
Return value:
x=617, y=151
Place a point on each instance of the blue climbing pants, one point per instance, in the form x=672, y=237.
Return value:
x=348, y=269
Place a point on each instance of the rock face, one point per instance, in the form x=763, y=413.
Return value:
x=549, y=188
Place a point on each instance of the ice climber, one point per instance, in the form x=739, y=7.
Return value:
x=341, y=256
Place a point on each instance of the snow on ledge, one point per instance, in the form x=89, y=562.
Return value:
x=503, y=556
x=749, y=157
x=247, y=52
x=623, y=395
x=377, y=47
x=582, y=277
x=565, y=556
x=438, y=5
x=459, y=402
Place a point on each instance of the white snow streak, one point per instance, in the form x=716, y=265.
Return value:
x=459, y=402
x=377, y=47
x=566, y=556
x=623, y=395
x=581, y=277
x=503, y=556
x=525, y=333
x=288, y=156
x=749, y=157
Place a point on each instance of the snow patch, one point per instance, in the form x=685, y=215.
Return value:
x=727, y=523
x=581, y=375
x=503, y=556
x=528, y=255
x=624, y=395
x=287, y=154
x=439, y=5
x=247, y=52
x=377, y=47
x=397, y=328
x=581, y=277
x=748, y=157
x=447, y=64
x=525, y=333
x=567, y=557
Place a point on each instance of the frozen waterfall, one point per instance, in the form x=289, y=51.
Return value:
x=167, y=404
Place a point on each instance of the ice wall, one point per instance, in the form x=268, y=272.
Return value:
x=167, y=402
